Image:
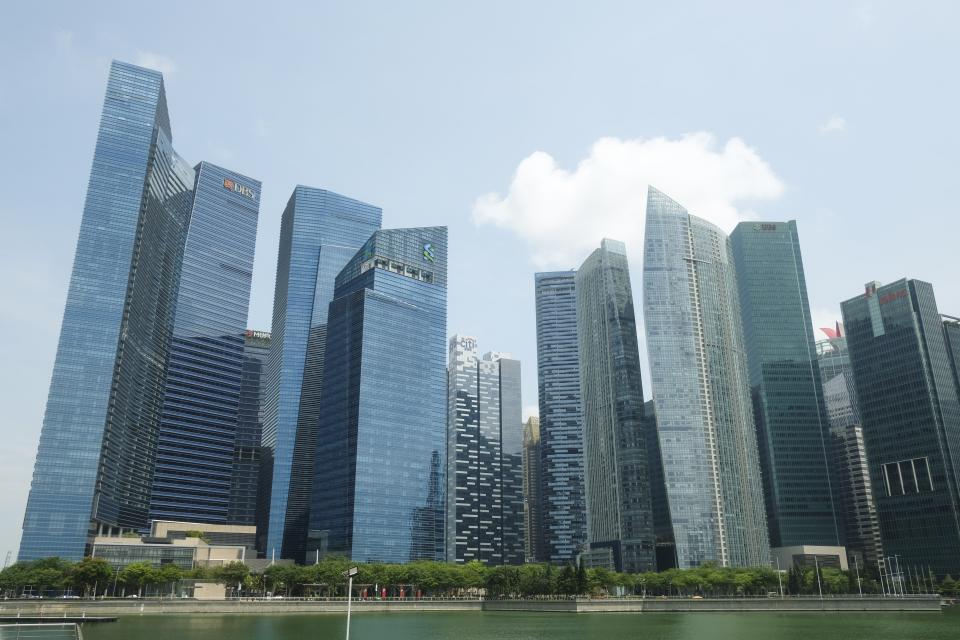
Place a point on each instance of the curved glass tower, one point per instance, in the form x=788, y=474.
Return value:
x=701, y=390
x=94, y=466
x=616, y=480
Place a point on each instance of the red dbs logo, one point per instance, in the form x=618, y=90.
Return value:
x=228, y=184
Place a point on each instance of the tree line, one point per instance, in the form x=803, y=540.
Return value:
x=95, y=577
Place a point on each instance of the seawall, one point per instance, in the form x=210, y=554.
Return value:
x=55, y=609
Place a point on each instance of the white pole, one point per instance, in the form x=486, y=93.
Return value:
x=856, y=566
x=779, y=578
x=273, y=556
x=349, y=598
x=816, y=566
x=318, y=557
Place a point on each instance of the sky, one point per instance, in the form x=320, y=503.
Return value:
x=531, y=129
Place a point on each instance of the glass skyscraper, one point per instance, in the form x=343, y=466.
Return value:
x=616, y=472
x=378, y=492
x=856, y=508
x=198, y=425
x=907, y=397
x=94, y=467
x=484, y=456
x=319, y=232
x=792, y=427
x=532, y=492
x=701, y=390
x=244, y=484
x=561, y=417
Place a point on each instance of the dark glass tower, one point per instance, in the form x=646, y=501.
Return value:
x=701, y=390
x=246, y=451
x=532, y=492
x=319, y=232
x=381, y=440
x=94, y=467
x=616, y=473
x=484, y=457
x=198, y=426
x=792, y=426
x=561, y=419
x=907, y=397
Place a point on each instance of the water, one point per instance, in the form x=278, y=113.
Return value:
x=475, y=625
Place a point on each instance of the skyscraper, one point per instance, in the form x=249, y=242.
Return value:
x=245, y=483
x=484, y=456
x=616, y=473
x=198, y=425
x=378, y=475
x=319, y=232
x=94, y=467
x=698, y=368
x=666, y=552
x=907, y=397
x=856, y=509
x=532, y=492
x=792, y=427
x=561, y=419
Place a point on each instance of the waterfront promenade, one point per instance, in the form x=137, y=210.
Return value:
x=134, y=607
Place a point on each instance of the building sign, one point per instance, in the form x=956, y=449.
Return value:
x=428, y=253
x=236, y=187
x=766, y=226
x=263, y=335
x=895, y=295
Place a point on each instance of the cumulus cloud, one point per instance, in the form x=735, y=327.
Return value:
x=155, y=61
x=563, y=214
x=834, y=124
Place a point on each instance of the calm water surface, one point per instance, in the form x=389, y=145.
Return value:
x=471, y=625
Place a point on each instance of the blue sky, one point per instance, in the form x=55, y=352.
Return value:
x=529, y=128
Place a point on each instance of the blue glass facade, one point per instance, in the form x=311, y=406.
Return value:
x=198, y=428
x=99, y=436
x=320, y=231
x=561, y=417
x=788, y=407
x=378, y=480
x=701, y=390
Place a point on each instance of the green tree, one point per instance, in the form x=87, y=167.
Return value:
x=91, y=574
x=232, y=573
x=139, y=575
x=567, y=581
x=581, y=578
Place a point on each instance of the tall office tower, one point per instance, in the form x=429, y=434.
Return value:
x=94, y=467
x=244, y=485
x=907, y=396
x=561, y=419
x=856, y=509
x=381, y=438
x=319, y=232
x=484, y=456
x=666, y=552
x=791, y=422
x=616, y=473
x=532, y=492
x=701, y=390
x=198, y=424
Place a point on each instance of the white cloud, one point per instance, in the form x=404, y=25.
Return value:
x=834, y=124
x=155, y=61
x=562, y=214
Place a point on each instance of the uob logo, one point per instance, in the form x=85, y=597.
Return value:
x=428, y=253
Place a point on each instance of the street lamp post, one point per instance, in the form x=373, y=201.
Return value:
x=348, y=574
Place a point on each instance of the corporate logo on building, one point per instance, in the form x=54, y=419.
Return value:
x=236, y=187
x=428, y=253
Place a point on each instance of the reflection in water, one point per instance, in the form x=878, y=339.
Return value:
x=536, y=626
